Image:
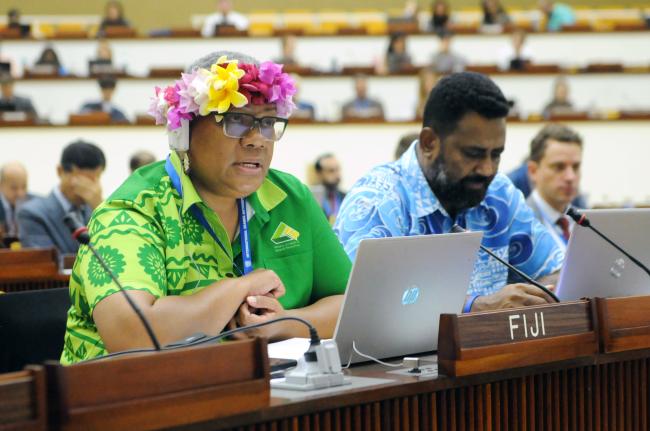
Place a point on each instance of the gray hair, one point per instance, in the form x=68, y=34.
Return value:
x=208, y=60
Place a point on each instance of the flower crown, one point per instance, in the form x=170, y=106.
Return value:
x=226, y=84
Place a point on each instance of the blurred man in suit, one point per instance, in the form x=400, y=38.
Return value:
x=554, y=168
x=327, y=192
x=107, y=86
x=13, y=192
x=10, y=102
x=362, y=106
x=40, y=221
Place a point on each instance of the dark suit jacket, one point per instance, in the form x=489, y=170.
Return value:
x=3, y=215
x=22, y=104
x=40, y=224
x=117, y=116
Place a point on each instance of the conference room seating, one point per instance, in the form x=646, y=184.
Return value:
x=30, y=269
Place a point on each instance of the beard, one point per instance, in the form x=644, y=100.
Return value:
x=457, y=195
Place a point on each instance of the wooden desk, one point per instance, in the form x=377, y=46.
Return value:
x=599, y=392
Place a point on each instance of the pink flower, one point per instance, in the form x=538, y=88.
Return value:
x=251, y=73
x=188, y=92
x=269, y=71
x=158, y=107
x=171, y=95
x=174, y=117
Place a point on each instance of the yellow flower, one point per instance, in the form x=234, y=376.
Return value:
x=223, y=86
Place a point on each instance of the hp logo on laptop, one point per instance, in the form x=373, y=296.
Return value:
x=410, y=295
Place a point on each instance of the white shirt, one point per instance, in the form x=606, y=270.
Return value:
x=549, y=218
x=233, y=18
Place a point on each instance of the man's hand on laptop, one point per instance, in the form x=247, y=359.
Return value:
x=512, y=296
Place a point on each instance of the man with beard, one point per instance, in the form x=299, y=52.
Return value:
x=328, y=171
x=449, y=176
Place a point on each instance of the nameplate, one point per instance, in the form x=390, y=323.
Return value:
x=624, y=323
x=482, y=342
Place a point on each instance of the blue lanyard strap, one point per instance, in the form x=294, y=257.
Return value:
x=247, y=255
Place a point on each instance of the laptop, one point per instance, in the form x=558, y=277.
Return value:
x=397, y=290
x=593, y=268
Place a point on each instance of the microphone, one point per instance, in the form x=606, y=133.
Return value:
x=457, y=229
x=80, y=233
x=582, y=220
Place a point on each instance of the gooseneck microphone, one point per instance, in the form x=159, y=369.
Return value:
x=80, y=233
x=582, y=220
x=457, y=229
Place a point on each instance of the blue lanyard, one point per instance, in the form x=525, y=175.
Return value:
x=247, y=255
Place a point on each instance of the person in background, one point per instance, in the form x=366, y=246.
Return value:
x=141, y=158
x=448, y=177
x=288, y=43
x=327, y=193
x=404, y=143
x=13, y=193
x=40, y=221
x=49, y=58
x=13, y=23
x=362, y=106
x=397, y=59
x=113, y=16
x=557, y=14
x=560, y=104
x=427, y=79
x=304, y=110
x=445, y=61
x=107, y=86
x=225, y=15
x=554, y=168
x=517, y=55
x=104, y=51
x=440, y=15
x=10, y=102
x=494, y=13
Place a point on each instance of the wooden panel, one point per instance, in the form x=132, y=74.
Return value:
x=624, y=323
x=22, y=400
x=142, y=393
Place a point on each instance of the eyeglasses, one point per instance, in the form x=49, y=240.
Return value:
x=238, y=124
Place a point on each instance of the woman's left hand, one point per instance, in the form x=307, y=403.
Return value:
x=258, y=309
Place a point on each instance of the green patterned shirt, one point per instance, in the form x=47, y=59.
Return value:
x=153, y=243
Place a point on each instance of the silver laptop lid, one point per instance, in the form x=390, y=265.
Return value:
x=397, y=290
x=594, y=268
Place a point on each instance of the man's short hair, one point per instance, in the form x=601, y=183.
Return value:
x=557, y=132
x=83, y=155
x=459, y=94
x=319, y=161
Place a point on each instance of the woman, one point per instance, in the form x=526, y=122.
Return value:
x=175, y=230
x=397, y=58
x=113, y=16
x=50, y=59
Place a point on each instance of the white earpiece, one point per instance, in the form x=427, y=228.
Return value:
x=179, y=139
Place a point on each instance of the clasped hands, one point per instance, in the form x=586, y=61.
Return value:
x=261, y=304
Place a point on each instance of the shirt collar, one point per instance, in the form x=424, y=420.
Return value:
x=267, y=197
x=549, y=213
x=65, y=203
x=190, y=195
x=425, y=200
